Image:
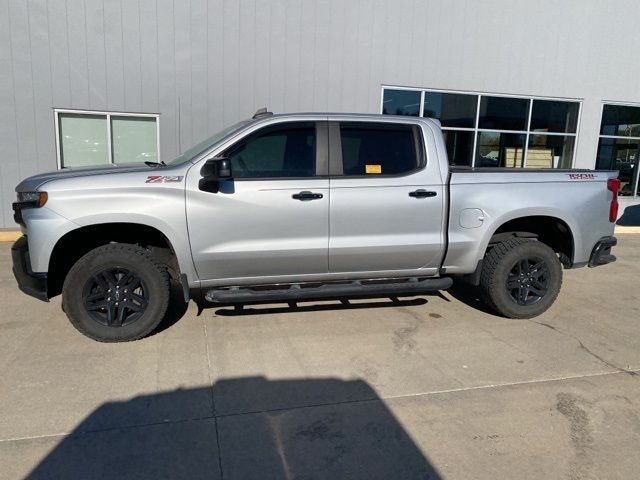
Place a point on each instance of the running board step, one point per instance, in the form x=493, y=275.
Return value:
x=327, y=291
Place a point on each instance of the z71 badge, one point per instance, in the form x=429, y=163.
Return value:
x=164, y=178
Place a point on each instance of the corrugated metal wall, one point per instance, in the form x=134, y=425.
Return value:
x=204, y=64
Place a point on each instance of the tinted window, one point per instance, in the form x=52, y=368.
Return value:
x=554, y=116
x=452, y=109
x=620, y=120
x=375, y=149
x=503, y=113
x=401, y=102
x=287, y=150
x=459, y=146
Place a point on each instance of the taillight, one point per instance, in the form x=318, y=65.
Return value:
x=613, y=185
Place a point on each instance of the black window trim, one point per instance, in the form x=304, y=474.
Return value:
x=335, y=149
x=322, y=150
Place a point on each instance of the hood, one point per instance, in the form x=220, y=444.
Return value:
x=32, y=183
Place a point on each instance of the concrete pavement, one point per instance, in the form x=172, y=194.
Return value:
x=434, y=387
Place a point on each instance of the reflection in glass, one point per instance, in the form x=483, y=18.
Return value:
x=452, y=109
x=83, y=140
x=401, y=102
x=554, y=116
x=459, y=147
x=550, y=151
x=503, y=113
x=620, y=120
x=134, y=139
x=497, y=149
x=620, y=154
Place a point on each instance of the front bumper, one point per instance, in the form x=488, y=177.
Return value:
x=601, y=253
x=34, y=284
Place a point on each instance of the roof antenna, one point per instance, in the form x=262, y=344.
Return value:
x=262, y=112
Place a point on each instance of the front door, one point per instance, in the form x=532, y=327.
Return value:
x=271, y=219
x=387, y=200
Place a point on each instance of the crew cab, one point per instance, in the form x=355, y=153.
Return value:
x=285, y=208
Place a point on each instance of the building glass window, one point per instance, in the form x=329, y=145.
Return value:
x=619, y=145
x=401, y=102
x=97, y=138
x=503, y=113
x=452, y=109
x=499, y=131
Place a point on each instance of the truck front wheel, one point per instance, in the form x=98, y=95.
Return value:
x=116, y=293
x=520, y=278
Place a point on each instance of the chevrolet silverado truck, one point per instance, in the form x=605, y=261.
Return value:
x=285, y=208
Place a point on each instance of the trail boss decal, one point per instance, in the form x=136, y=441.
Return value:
x=581, y=176
x=164, y=178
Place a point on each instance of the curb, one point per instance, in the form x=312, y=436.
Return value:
x=621, y=229
x=10, y=236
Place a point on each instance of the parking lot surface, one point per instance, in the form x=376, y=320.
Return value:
x=431, y=387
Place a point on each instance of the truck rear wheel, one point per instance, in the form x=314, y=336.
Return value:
x=520, y=278
x=116, y=293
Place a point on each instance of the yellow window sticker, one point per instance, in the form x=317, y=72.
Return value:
x=372, y=168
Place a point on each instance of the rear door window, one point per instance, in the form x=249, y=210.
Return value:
x=370, y=149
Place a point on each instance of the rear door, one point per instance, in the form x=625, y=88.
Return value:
x=387, y=199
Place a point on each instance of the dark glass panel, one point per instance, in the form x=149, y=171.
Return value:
x=620, y=154
x=497, y=149
x=459, y=147
x=620, y=120
x=503, y=113
x=401, y=102
x=554, y=116
x=452, y=109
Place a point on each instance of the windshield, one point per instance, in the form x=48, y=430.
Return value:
x=207, y=143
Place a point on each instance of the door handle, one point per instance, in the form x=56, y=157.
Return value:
x=306, y=195
x=422, y=193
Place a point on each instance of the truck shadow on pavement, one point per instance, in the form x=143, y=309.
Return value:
x=630, y=217
x=259, y=429
x=298, y=307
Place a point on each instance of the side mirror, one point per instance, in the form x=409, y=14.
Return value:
x=216, y=168
x=213, y=170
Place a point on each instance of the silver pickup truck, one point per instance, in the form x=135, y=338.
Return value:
x=304, y=207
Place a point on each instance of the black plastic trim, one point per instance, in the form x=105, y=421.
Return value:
x=29, y=282
x=354, y=289
x=601, y=253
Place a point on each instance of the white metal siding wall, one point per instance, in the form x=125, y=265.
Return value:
x=204, y=64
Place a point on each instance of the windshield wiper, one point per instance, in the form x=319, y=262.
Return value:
x=155, y=164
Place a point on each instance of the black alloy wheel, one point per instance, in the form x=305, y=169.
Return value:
x=528, y=280
x=116, y=293
x=520, y=277
x=115, y=297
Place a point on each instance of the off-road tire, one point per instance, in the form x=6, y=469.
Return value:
x=134, y=258
x=496, y=268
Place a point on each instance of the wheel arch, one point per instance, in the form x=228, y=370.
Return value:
x=548, y=229
x=76, y=243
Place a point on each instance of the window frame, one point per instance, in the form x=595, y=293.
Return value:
x=475, y=129
x=98, y=113
x=321, y=150
x=618, y=137
x=335, y=144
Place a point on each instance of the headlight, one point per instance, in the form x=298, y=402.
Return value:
x=32, y=199
x=27, y=200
